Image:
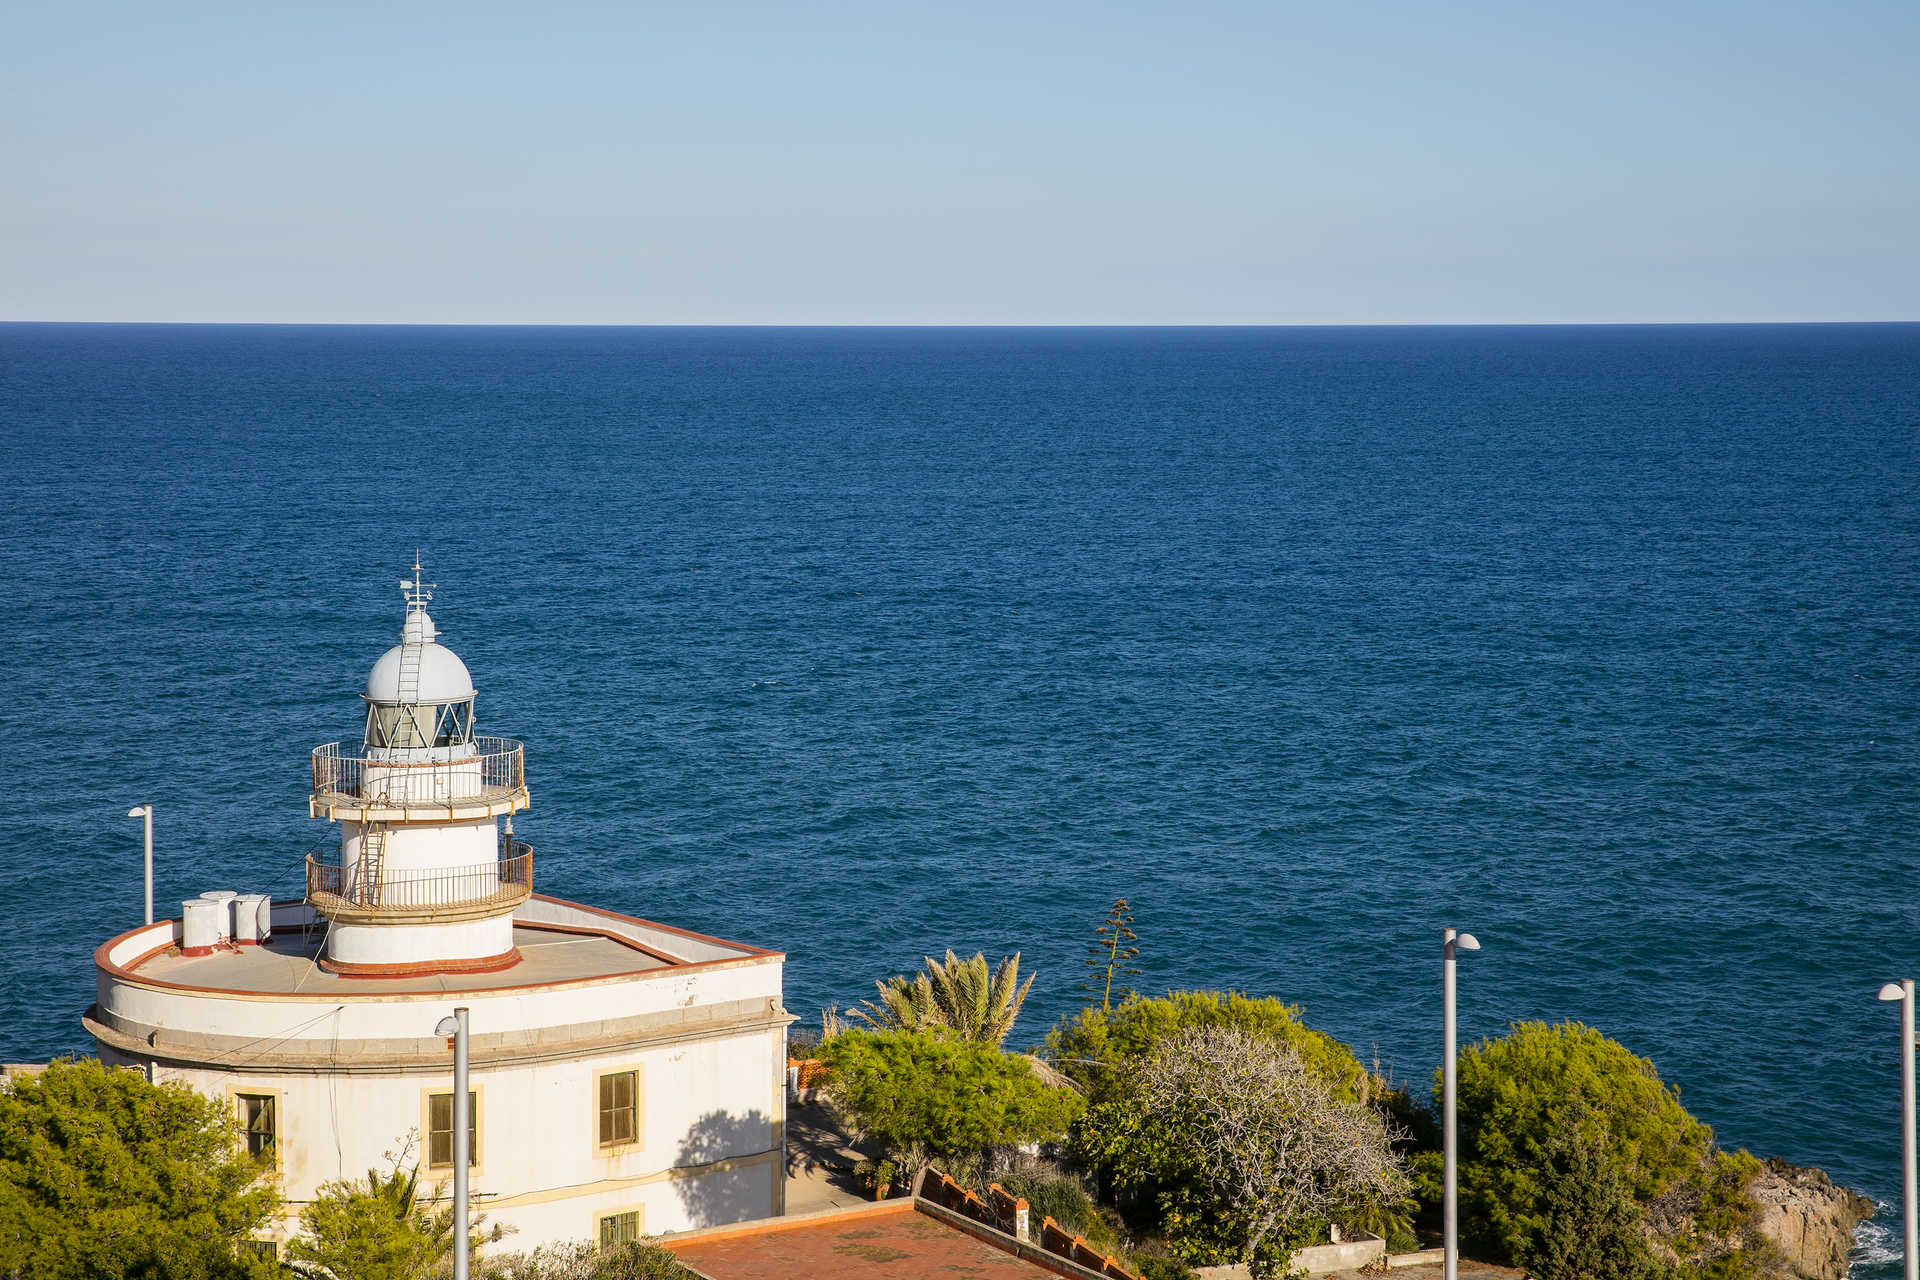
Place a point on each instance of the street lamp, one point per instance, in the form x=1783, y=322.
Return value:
x=146, y=811
x=1450, y=942
x=1909, y=1201
x=456, y=1026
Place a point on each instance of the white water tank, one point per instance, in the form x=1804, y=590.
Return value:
x=202, y=926
x=252, y=919
x=225, y=898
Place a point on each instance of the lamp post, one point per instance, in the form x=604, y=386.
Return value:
x=1909, y=1200
x=146, y=811
x=456, y=1026
x=1450, y=942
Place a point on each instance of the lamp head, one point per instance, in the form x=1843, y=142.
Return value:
x=449, y=1026
x=140, y=811
x=1893, y=991
x=1465, y=942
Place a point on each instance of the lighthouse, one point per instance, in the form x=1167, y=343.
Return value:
x=626, y=1077
x=426, y=881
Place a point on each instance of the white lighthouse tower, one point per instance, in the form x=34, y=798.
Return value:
x=425, y=881
x=627, y=1077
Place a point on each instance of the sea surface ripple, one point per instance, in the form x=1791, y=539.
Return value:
x=863, y=644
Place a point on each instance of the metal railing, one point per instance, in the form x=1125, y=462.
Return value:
x=344, y=777
x=336, y=890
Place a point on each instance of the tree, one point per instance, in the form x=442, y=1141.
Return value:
x=929, y=1096
x=1112, y=954
x=1544, y=1098
x=1269, y=1136
x=103, y=1174
x=382, y=1229
x=958, y=996
x=1146, y=1166
x=1517, y=1093
x=1589, y=1226
x=1099, y=1049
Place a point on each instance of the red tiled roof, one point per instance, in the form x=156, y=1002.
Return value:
x=891, y=1240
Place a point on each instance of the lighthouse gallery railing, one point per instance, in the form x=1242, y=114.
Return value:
x=497, y=769
x=333, y=889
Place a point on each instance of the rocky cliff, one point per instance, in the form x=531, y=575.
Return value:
x=1808, y=1219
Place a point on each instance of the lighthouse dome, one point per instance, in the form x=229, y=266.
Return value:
x=439, y=677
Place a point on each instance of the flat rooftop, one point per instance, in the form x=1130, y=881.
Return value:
x=285, y=966
x=879, y=1242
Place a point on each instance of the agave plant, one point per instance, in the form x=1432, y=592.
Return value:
x=959, y=996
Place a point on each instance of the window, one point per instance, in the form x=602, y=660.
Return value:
x=258, y=1119
x=265, y=1250
x=619, y=1228
x=440, y=1130
x=617, y=1110
x=439, y=724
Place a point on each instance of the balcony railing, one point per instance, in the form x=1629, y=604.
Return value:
x=345, y=779
x=343, y=892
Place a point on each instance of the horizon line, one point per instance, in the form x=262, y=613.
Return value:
x=937, y=324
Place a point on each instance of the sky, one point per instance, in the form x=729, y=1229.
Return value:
x=1196, y=162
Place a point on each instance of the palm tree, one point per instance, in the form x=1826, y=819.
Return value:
x=959, y=996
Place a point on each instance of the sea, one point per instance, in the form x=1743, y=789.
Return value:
x=863, y=644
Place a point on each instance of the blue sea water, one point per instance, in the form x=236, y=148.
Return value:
x=862, y=644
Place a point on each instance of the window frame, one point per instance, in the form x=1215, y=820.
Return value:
x=601, y=1217
x=621, y=1146
x=277, y=1100
x=476, y=1129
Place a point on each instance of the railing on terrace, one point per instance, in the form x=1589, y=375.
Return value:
x=343, y=777
x=336, y=890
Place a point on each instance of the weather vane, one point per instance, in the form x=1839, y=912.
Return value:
x=418, y=592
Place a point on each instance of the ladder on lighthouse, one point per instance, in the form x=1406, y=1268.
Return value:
x=409, y=682
x=373, y=859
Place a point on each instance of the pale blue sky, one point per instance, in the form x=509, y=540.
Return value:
x=963, y=163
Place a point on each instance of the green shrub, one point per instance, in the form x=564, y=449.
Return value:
x=1588, y=1225
x=1096, y=1046
x=1517, y=1093
x=1546, y=1099
x=932, y=1096
x=1152, y=1268
x=877, y=1176
x=635, y=1260
x=104, y=1174
x=1051, y=1195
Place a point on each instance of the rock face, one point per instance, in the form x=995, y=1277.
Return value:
x=1808, y=1219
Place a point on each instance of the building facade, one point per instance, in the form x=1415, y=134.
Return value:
x=627, y=1077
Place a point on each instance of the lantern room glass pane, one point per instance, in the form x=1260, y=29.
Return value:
x=429, y=724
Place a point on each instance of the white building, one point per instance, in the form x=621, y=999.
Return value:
x=627, y=1077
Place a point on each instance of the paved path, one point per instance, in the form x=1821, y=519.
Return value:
x=820, y=1162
